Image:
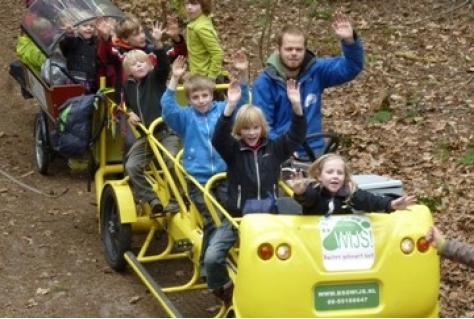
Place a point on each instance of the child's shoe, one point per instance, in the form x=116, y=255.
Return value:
x=225, y=294
x=156, y=207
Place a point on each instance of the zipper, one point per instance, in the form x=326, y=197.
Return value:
x=139, y=106
x=210, y=144
x=239, y=196
x=257, y=170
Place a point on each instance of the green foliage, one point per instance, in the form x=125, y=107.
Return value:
x=389, y=30
x=178, y=7
x=346, y=141
x=468, y=156
x=412, y=114
x=431, y=202
x=381, y=116
x=471, y=17
x=370, y=59
x=262, y=21
x=442, y=150
x=324, y=15
x=58, y=287
x=413, y=102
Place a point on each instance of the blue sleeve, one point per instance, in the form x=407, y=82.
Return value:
x=173, y=114
x=262, y=98
x=341, y=69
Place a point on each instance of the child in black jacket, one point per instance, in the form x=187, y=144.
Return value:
x=253, y=170
x=79, y=49
x=333, y=191
x=142, y=94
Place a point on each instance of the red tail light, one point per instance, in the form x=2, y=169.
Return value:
x=265, y=251
x=422, y=244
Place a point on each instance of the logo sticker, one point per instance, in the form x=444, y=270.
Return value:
x=310, y=99
x=347, y=243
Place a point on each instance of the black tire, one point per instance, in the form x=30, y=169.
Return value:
x=42, y=153
x=116, y=237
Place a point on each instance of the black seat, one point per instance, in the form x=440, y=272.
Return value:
x=289, y=206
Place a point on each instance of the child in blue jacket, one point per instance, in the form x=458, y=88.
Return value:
x=195, y=125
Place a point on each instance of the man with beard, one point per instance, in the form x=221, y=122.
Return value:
x=294, y=61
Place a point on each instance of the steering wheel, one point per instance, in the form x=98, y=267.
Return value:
x=331, y=146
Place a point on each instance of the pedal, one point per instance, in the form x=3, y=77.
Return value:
x=170, y=209
x=182, y=245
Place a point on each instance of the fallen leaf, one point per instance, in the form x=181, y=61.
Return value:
x=31, y=303
x=43, y=291
x=134, y=299
x=29, y=240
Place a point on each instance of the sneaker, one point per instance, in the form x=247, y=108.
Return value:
x=225, y=294
x=156, y=207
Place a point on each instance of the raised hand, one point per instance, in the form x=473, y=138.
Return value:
x=233, y=92
x=179, y=67
x=294, y=95
x=103, y=26
x=157, y=32
x=298, y=183
x=434, y=236
x=342, y=27
x=403, y=202
x=293, y=91
x=68, y=27
x=240, y=62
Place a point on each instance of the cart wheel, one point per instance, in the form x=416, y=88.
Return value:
x=117, y=237
x=42, y=155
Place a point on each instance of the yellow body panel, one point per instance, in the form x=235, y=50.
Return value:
x=302, y=286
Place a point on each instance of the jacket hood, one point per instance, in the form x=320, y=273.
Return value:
x=275, y=68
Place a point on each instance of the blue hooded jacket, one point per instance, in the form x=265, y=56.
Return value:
x=196, y=129
x=317, y=74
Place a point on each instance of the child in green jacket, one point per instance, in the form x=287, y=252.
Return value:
x=205, y=54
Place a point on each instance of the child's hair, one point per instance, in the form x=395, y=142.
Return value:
x=317, y=166
x=133, y=57
x=40, y=24
x=293, y=30
x=42, y=28
x=127, y=27
x=249, y=115
x=206, y=5
x=196, y=82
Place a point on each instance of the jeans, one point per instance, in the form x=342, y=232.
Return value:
x=219, y=191
x=128, y=138
x=140, y=155
x=215, y=258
